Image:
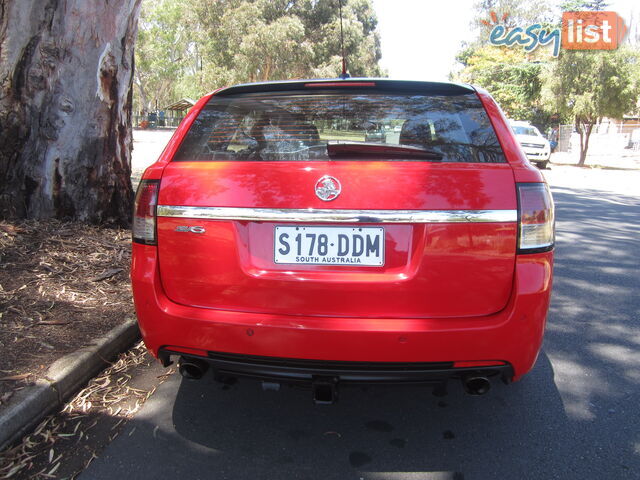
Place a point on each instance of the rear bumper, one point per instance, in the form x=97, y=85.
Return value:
x=293, y=370
x=512, y=336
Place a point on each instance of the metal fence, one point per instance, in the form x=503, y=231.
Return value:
x=606, y=139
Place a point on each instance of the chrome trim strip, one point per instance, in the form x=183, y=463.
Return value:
x=338, y=216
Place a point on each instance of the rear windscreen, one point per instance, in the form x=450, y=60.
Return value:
x=298, y=127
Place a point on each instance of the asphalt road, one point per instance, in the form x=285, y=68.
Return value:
x=575, y=416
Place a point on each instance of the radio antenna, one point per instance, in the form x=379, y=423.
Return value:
x=344, y=73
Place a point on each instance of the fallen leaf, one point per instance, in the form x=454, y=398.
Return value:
x=51, y=472
x=5, y=397
x=8, y=228
x=108, y=274
x=53, y=322
x=10, y=378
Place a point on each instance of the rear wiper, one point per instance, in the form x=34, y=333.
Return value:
x=345, y=148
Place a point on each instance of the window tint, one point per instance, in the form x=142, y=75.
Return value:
x=293, y=126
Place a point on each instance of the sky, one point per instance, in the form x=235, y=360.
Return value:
x=420, y=38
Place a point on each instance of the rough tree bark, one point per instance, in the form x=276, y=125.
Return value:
x=65, y=108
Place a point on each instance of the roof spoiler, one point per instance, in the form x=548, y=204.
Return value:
x=379, y=84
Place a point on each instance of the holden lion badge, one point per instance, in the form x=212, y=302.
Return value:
x=328, y=188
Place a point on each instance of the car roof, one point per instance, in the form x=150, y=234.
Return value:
x=382, y=84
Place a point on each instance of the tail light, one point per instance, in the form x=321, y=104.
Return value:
x=144, y=212
x=536, y=218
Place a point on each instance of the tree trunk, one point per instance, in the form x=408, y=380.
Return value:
x=144, y=103
x=65, y=108
x=585, y=132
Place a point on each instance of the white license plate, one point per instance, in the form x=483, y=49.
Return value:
x=310, y=245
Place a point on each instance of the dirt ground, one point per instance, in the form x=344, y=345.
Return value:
x=62, y=285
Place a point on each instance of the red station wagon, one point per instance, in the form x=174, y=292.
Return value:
x=277, y=238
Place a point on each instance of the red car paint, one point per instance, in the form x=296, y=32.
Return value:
x=448, y=292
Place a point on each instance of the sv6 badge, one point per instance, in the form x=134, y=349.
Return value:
x=186, y=228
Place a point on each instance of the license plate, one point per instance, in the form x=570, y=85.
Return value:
x=311, y=245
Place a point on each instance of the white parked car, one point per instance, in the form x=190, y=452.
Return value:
x=535, y=146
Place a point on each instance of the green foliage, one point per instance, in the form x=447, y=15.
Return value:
x=584, y=86
x=162, y=50
x=511, y=14
x=511, y=78
x=187, y=48
x=580, y=87
x=577, y=5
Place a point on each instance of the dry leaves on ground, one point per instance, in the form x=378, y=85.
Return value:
x=62, y=284
x=106, y=402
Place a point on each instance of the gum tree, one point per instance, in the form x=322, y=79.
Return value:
x=509, y=73
x=65, y=108
x=585, y=86
x=189, y=47
x=164, y=50
x=513, y=80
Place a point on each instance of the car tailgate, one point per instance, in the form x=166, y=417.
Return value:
x=455, y=260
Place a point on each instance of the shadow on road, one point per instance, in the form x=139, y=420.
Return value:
x=371, y=430
x=575, y=416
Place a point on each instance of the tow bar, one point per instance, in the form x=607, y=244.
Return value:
x=324, y=390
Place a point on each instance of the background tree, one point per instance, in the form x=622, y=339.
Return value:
x=511, y=75
x=65, y=108
x=264, y=43
x=219, y=43
x=164, y=50
x=575, y=5
x=511, y=14
x=584, y=86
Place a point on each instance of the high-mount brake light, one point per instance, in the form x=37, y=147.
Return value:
x=340, y=84
x=536, y=218
x=144, y=212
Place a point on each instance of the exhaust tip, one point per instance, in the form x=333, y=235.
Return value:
x=192, y=369
x=476, y=384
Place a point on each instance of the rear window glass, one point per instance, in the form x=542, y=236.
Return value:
x=298, y=127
